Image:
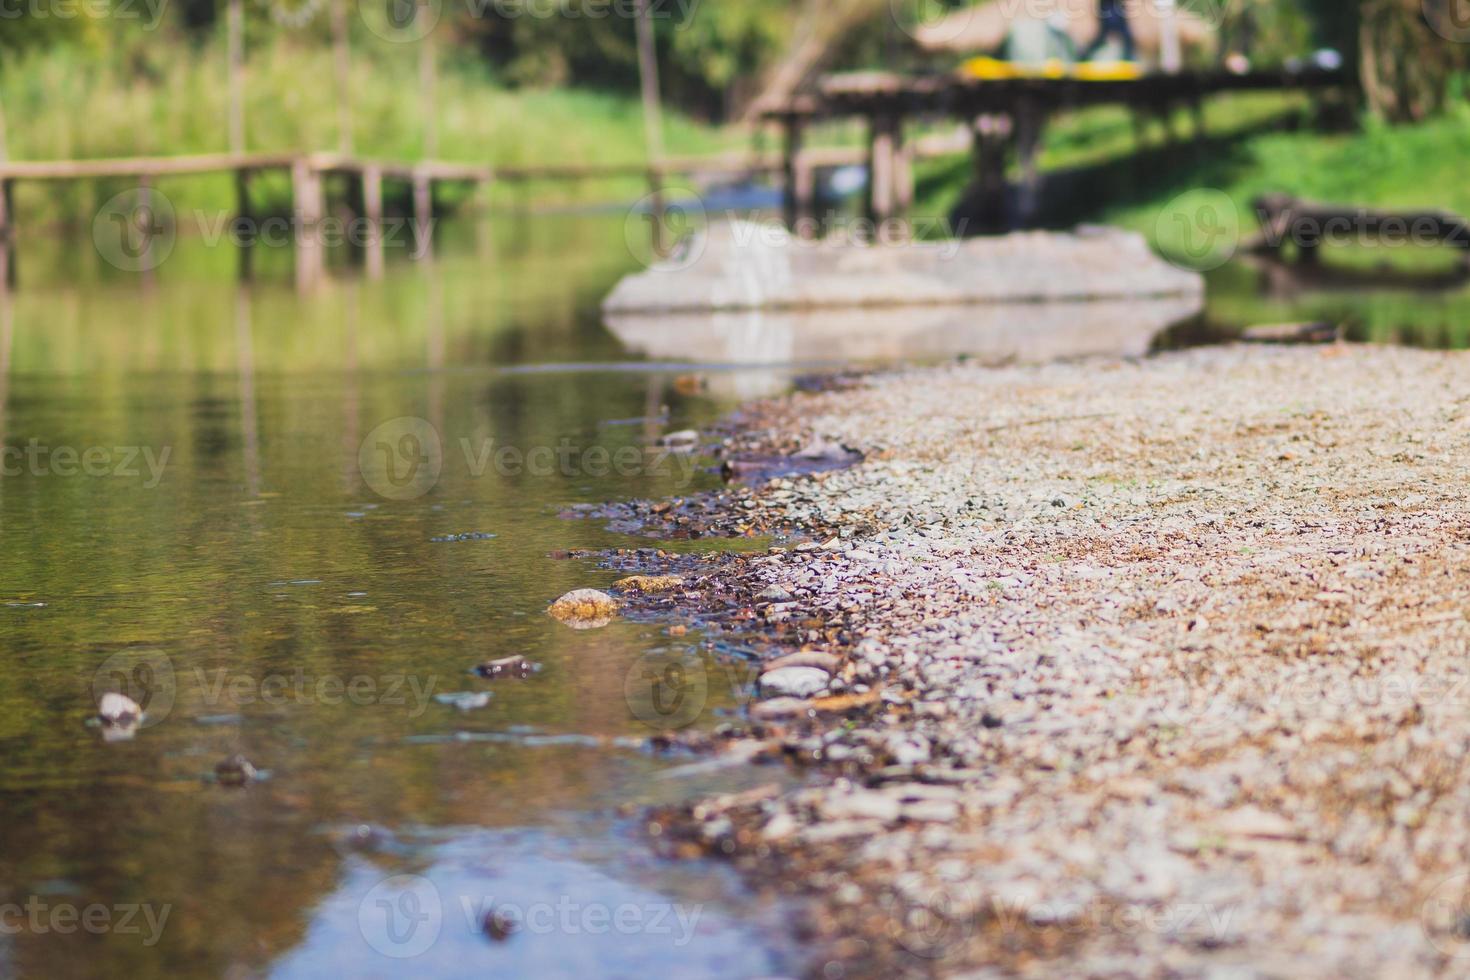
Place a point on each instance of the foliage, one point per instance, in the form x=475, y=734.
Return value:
x=143, y=98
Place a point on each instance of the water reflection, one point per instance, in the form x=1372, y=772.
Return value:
x=995, y=333
x=292, y=614
x=1419, y=307
x=554, y=906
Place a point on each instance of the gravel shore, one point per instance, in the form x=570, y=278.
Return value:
x=1147, y=668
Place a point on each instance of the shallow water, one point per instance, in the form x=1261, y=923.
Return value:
x=247, y=508
x=1418, y=309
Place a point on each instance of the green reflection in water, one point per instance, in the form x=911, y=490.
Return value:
x=1392, y=306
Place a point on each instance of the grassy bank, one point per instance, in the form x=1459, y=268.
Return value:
x=1258, y=145
x=167, y=97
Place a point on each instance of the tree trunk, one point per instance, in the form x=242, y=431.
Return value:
x=1404, y=64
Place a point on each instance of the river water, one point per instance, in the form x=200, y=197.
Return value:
x=291, y=525
x=246, y=508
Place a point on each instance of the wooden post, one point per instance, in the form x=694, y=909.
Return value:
x=306, y=189
x=1030, y=125
x=657, y=218
x=372, y=213
x=809, y=224
x=992, y=147
x=243, y=216
x=236, y=58
x=882, y=167
x=7, y=234
x=798, y=179
x=145, y=210
x=245, y=368
x=423, y=215
x=904, y=176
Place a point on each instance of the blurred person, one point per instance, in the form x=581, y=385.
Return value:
x=1112, y=22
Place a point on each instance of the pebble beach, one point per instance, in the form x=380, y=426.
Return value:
x=1150, y=667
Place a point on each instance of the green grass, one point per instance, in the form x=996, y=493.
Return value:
x=156, y=96
x=1405, y=167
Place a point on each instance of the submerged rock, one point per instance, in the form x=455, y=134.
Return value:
x=827, y=662
x=118, y=710
x=465, y=700
x=685, y=440
x=585, y=609
x=498, y=925
x=516, y=666
x=795, y=682
x=236, y=771
x=649, y=583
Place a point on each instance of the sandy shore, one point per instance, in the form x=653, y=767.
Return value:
x=1157, y=668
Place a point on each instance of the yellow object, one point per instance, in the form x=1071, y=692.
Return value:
x=990, y=69
x=1108, y=71
x=994, y=69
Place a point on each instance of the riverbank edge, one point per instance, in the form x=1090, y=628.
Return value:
x=723, y=596
x=1104, y=685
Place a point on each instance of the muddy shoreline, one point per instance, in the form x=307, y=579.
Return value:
x=1136, y=668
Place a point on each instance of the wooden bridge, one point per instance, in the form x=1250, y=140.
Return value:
x=1000, y=118
x=308, y=171
x=1006, y=116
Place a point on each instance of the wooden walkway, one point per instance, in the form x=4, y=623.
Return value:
x=307, y=172
x=1007, y=117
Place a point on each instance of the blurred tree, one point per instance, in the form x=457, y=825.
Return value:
x=1405, y=63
